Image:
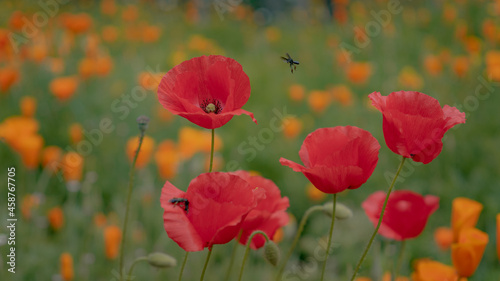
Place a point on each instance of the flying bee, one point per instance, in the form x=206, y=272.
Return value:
x=183, y=202
x=289, y=60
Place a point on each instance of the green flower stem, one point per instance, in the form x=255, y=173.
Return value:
x=129, y=275
x=233, y=256
x=399, y=261
x=379, y=220
x=183, y=265
x=212, y=151
x=206, y=263
x=329, y=236
x=297, y=236
x=130, y=185
x=247, y=250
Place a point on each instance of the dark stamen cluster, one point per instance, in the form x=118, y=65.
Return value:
x=206, y=102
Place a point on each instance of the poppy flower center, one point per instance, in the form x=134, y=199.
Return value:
x=211, y=106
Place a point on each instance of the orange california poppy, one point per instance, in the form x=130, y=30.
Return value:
x=145, y=152
x=108, y=7
x=319, y=100
x=56, y=218
x=292, y=127
x=16, y=22
x=359, y=72
x=296, y=92
x=130, y=13
x=460, y=65
x=67, y=271
x=167, y=159
x=51, y=158
x=342, y=94
x=151, y=33
x=468, y=252
x=30, y=148
x=75, y=133
x=76, y=23
x=112, y=240
x=28, y=106
x=64, y=87
x=492, y=59
x=8, y=76
x=109, y=33
x=72, y=166
x=410, y=79
x=150, y=81
x=103, y=65
x=314, y=194
x=429, y=270
x=464, y=214
x=443, y=236
x=86, y=67
x=433, y=65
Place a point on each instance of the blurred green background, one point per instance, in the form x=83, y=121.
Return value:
x=446, y=49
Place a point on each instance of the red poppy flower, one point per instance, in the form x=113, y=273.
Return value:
x=405, y=215
x=209, y=212
x=337, y=158
x=269, y=214
x=414, y=123
x=207, y=91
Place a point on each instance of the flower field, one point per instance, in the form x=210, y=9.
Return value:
x=250, y=140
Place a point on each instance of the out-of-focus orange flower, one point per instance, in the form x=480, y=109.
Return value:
x=314, y=194
x=56, y=218
x=460, y=65
x=493, y=65
x=273, y=34
x=130, y=13
x=67, y=272
x=29, y=202
x=472, y=44
x=108, y=7
x=292, y=127
x=100, y=220
x=178, y=57
x=428, y=270
x=86, y=68
x=443, y=236
x=387, y=277
x=151, y=33
x=91, y=45
x=8, y=76
x=193, y=140
x=28, y=106
x=145, y=153
x=75, y=133
x=16, y=20
x=363, y=279
x=103, y=65
x=76, y=23
x=15, y=128
x=38, y=52
x=150, y=81
x=51, y=157
x=64, y=87
x=56, y=65
x=296, y=92
x=30, y=148
x=464, y=214
x=164, y=114
x=112, y=240
x=72, y=166
x=359, y=72
x=489, y=30
x=342, y=94
x=449, y=13
x=468, y=252
x=461, y=29
x=410, y=79
x=278, y=235
x=167, y=159
x=319, y=100
x=340, y=14
x=109, y=33
x=433, y=65
x=498, y=236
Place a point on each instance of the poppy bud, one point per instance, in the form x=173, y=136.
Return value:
x=161, y=260
x=143, y=121
x=342, y=212
x=272, y=253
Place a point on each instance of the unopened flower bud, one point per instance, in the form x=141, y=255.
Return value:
x=272, y=253
x=342, y=212
x=143, y=121
x=161, y=260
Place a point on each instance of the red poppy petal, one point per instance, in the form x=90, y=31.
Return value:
x=175, y=221
x=296, y=167
x=452, y=117
x=414, y=103
x=378, y=100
